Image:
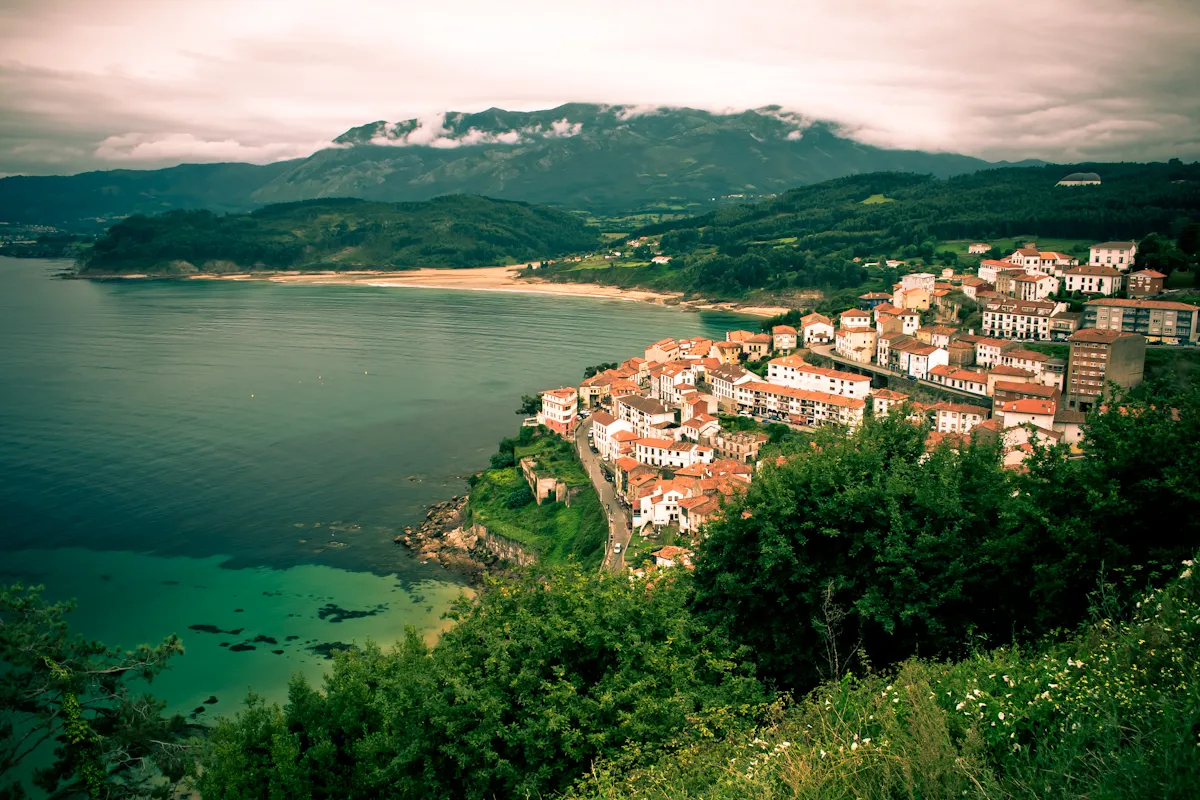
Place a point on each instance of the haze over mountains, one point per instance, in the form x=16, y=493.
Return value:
x=603, y=159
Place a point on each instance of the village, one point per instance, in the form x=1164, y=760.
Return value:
x=657, y=426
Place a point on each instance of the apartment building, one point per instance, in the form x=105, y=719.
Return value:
x=1100, y=357
x=1005, y=318
x=1158, y=320
x=560, y=410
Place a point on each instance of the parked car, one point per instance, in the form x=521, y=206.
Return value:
x=617, y=549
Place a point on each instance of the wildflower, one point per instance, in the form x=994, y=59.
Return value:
x=854, y=745
x=1001, y=715
x=959, y=707
x=895, y=699
x=822, y=754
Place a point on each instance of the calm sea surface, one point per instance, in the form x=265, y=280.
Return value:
x=240, y=455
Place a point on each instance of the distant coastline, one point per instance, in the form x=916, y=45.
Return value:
x=480, y=279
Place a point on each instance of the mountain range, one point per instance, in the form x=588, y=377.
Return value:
x=598, y=158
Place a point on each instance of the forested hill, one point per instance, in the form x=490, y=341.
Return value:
x=810, y=236
x=580, y=156
x=339, y=234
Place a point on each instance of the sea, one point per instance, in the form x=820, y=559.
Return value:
x=230, y=461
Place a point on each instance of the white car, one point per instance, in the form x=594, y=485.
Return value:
x=617, y=549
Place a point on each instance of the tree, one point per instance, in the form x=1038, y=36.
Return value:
x=925, y=548
x=590, y=371
x=1155, y=252
x=531, y=404
x=1189, y=239
x=538, y=679
x=79, y=695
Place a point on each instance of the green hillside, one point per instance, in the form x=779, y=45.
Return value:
x=810, y=236
x=339, y=234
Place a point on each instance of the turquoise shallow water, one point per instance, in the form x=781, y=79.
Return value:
x=173, y=451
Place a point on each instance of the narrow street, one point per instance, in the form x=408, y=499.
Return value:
x=618, y=516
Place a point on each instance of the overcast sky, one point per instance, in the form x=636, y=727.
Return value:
x=97, y=84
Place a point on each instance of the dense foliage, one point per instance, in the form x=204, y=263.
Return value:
x=536, y=681
x=809, y=237
x=86, y=703
x=339, y=234
x=869, y=545
x=555, y=532
x=1109, y=713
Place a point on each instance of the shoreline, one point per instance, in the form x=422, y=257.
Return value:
x=479, y=279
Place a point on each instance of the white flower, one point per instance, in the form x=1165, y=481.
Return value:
x=895, y=699
x=958, y=707
x=1001, y=715
x=822, y=754
x=1187, y=573
x=854, y=745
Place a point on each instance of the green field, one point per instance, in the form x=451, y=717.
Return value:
x=554, y=531
x=876, y=199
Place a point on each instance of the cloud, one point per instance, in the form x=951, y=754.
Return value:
x=1062, y=80
x=564, y=128
x=184, y=147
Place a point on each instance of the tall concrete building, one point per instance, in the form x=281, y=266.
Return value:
x=1100, y=357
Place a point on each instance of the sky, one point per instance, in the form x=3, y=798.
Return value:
x=102, y=84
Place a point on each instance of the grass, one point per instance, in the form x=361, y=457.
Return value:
x=1111, y=712
x=876, y=199
x=554, y=531
x=1181, y=280
x=640, y=548
x=556, y=456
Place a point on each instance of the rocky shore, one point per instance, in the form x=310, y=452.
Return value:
x=443, y=538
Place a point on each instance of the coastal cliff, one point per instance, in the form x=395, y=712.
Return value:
x=447, y=538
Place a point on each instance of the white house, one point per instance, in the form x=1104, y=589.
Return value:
x=560, y=410
x=978, y=248
x=795, y=372
x=785, y=338
x=643, y=413
x=854, y=318
x=700, y=427
x=883, y=400
x=1034, y=287
x=1011, y=318
x=916, y=359
x=722, y=381
x=957, y=417
x=966, y=380
x=656, y=452
x=1029, y=411
x=1094, y=279
x=1028, y=360
x=1118, y=255
x=816, y=329
x=604, y=429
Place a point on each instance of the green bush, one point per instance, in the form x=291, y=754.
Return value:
x=537, y=681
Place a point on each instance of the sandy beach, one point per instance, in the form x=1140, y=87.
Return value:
x=489, y=279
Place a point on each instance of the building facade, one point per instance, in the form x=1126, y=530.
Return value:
x=1100, y=357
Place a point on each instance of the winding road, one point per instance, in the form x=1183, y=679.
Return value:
x=618, y=517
